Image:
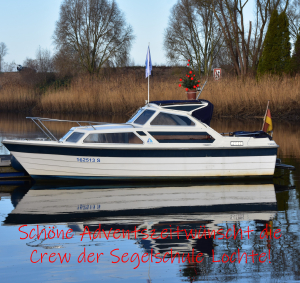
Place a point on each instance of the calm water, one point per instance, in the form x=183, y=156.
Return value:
x=256, y=225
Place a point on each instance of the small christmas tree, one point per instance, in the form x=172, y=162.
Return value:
x=189, y=82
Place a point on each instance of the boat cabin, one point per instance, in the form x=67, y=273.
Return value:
x=156, y=122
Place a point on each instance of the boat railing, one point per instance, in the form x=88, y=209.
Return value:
x=39, y=122
x=201, y=89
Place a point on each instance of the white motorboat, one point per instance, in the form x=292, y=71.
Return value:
x=164, y=139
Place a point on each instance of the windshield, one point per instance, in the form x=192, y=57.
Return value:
x=66, y=135
x=144, y=117
x=135, y=115
x=75, y=137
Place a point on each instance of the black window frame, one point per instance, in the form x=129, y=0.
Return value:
x=146, y=110
x=75, y=134
x=207, y=138
x=114, y=137
x=193, y=124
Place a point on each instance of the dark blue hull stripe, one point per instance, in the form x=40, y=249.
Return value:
x=97, y=152
x=146, y=178
x=19, y=219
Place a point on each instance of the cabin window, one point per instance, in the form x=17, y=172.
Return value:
x=165, y=119
x=66, y=135
x=135, y=115
x=182, y=137
x=141, y=133
x=75, y=137
x=144, y=117
x=130, y=138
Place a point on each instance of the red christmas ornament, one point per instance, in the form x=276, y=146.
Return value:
x=187, y=64
x=180, y=80
x=194, y=75
x=186, y=89
x=198, y=81
x=179, y=85
x=188, y=76
x=192, y=78
x=191, y=72
x=189, y=60
x=194, y=86
x=197, y=85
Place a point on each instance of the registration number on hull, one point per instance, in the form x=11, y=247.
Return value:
x=88, y=159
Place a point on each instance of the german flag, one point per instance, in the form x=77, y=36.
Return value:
x=268, y=127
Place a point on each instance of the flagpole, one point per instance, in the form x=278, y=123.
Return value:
x=148, y=80
x=265, y=116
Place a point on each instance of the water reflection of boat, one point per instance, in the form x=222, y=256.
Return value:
x=148, y=208
x=84, y=203
x=165, y=139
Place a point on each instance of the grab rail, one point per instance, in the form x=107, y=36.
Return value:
x=39, y=122
x=201, y=89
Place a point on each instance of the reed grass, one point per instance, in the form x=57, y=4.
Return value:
x=123, y=94
x=231, y=96
x=17, y=98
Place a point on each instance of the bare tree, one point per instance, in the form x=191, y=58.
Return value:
x=243, y=47
x=293, y=13
x=94, y=31
x=44, y=60
x=30, y=63
x=3, y=52
x=42, y=63
x=66, y=62
x=10, y=67
x=192, y=34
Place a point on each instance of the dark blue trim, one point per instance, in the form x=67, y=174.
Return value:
x=12, y=183
x=179, y=133
x=178, y=102
x=186, y=141
x=12, y=175
x=97, y=152
x=146, y=178
x=256, y=134
x=19, y=219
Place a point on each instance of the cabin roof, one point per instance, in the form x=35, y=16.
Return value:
x=203, y=114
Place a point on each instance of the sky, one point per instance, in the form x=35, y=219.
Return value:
x=27, y=24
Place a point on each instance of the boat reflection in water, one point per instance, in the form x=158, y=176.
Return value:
x=145, y=208
x=64, y=204
x=186, y=208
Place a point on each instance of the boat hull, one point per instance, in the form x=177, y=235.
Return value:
x=111, y=164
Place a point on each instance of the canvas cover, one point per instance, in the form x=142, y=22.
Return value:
x=204, y=114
